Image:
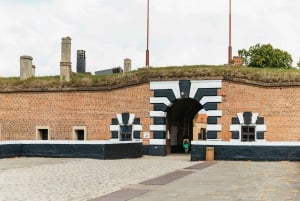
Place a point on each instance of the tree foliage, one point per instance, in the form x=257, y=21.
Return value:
x=265, y=56
x=298, y=64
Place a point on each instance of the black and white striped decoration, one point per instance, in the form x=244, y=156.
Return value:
x=167, y=92
x=248, y=119
x=125, y=119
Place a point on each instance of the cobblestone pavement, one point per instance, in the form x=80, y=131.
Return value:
x=233, y=181
x=78, y=179
x=84, y=179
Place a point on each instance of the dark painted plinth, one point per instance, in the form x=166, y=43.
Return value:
x=155, y=150
x=10, y=150
x=95, y=151
x=253, y=153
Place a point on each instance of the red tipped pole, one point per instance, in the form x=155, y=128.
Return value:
x=229, y=47
x=147, y=50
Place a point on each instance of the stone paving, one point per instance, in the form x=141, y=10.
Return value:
x=78, y=179
x=88, y=179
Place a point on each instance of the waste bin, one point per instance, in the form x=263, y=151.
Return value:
x=210, y=153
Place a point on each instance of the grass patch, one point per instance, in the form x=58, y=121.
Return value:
x=266, y=75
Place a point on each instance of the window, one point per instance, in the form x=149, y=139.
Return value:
x=79, y=133
x=202, y=134
x=248, y=133
x=42, y=134
x=126, y=133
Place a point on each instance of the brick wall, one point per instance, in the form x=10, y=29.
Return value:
x=280, y=106
x=20, y=113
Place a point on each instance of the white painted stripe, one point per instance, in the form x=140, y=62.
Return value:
x=205, y=84
x=214, y=113
x=120, y=119
x=157, y=142
x=254, y=118
x=174, y=85
x=131, y=119
x=137, y=127
x=213, y=127
x=235, y=127
x=158, y=114
x=163, y=100
x=239, y=143
x=261, y=128
x=157, y=127
x=66, y=142
x=241, y=117
x=114, y=127
x=210, y=99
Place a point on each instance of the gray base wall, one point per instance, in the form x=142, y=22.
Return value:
x=95, y=151
x=155, y=150
x=253, y=153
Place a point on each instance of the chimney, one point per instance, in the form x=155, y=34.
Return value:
x=65, y=64
x=33, y=70
x=25, y=67
x=81, y=61
x=127, y=65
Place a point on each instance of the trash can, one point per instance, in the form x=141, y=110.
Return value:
x=210, y=153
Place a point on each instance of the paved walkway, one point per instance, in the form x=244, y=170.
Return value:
x=148, y=178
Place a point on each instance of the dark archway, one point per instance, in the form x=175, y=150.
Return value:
x=180, y=121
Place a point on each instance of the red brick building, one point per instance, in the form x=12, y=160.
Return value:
x=158, y=114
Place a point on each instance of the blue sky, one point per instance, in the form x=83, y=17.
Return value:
x=181, y=32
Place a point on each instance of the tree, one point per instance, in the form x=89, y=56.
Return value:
x=265, y=56
x=298, y=64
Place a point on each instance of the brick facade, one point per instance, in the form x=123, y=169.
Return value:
x=280, y=107
x=22, y=112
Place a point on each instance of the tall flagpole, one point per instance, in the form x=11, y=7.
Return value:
x=147, y=50
x=229, y=47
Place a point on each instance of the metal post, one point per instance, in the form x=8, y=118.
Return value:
x=229, y=47
x=147, y=50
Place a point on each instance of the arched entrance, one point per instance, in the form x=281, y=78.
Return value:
x=175, y=104
x=180, y=122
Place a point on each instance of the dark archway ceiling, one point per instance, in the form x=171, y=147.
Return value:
x=184, y=109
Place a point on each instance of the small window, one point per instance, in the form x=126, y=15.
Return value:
x=248, y=133
x=126, y=133
x=79, y=133
x=43, y=134
x=202, y=134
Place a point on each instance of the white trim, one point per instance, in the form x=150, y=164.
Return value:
x=210, y=99
x=111, y=141
x=137, y=127
x=131, y=119
x=157, y=127
x=239, y=143
x=205, y=84
x=241, y=117
x=120, y=119
x=163, y=100
x=261, y=127
x=235, y=127
x=158, y=114
x=114, y=127
x=157, y=142
x=254, y=118
x=213, y=127
x=174, y=85
x=214, y=113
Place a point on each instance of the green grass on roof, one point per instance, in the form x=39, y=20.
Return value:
x=262, y=75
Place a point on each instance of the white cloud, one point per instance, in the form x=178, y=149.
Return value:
x=182, y=32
